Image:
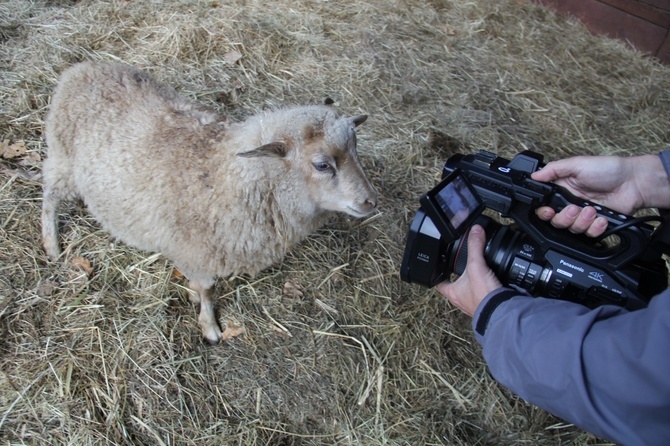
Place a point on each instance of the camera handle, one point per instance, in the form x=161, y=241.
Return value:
x=632, y=238
x=506, y=187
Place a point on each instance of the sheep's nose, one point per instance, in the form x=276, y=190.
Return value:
x=370, y=203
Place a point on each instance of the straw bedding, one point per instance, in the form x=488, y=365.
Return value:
x=328, y=347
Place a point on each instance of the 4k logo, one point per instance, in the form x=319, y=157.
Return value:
x=595, y=275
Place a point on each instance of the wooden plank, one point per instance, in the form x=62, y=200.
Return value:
x=601, y=18
x=663, y=53
x=657, y=15
x=660, y=4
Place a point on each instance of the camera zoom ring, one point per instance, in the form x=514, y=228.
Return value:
x=461, y=254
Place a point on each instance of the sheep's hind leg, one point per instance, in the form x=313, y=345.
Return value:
x=50, y=202
x=207, y=318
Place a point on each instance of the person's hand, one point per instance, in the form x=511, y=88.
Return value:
x=578, y=220
x=622, y=184
x=477, y=280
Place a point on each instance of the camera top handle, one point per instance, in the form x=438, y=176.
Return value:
x=506, y=187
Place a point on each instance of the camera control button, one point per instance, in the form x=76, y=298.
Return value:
x=518, y=271
x=556, y=287
x=532, y=276
x=537, y=187
x=605, y=296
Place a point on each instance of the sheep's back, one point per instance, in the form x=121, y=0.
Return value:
x=133, y=150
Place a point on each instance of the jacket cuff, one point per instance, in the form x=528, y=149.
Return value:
x=488, y=306
x=665, y=159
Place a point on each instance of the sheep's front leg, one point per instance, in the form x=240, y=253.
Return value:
x=210, y=327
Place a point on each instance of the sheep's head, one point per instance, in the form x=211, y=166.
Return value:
x=322, y=147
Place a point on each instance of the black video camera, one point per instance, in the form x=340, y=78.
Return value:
x=623, y=267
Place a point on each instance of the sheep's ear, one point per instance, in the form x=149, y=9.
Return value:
x=273, y=149
x=358, y=120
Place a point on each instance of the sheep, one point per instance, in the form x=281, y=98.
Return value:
x=163, y=174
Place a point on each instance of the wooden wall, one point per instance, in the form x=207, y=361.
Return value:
x=645, y=24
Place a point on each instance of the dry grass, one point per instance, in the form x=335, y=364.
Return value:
x=356, y=357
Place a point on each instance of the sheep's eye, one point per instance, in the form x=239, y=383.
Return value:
x=321, y=167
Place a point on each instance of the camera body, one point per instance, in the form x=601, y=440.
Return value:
x=627, y=269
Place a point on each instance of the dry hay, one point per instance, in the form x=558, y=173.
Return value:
x=337, y=350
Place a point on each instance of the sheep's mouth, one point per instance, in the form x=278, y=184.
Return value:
x=356, y=212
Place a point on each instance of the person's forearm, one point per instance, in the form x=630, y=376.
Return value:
x=604, y=370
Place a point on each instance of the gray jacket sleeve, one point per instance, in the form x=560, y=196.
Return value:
x=665, y=159
x=606, y=370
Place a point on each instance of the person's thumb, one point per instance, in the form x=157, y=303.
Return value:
x=476, y=243
x=545, y=175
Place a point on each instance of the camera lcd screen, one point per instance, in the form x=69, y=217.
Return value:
x=452, y=204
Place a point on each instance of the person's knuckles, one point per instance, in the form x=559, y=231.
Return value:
x=598, y=227
x=588, y=214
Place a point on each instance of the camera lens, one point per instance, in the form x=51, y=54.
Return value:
x=512, y=256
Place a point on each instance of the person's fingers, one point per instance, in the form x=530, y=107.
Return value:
x=566, y=217
x=545, y=213
x=576, y=219
x=584, y=220
x=597, y=228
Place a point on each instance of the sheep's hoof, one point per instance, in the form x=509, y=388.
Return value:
x=212, y=341
x=51, y=248
x=212, y=335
